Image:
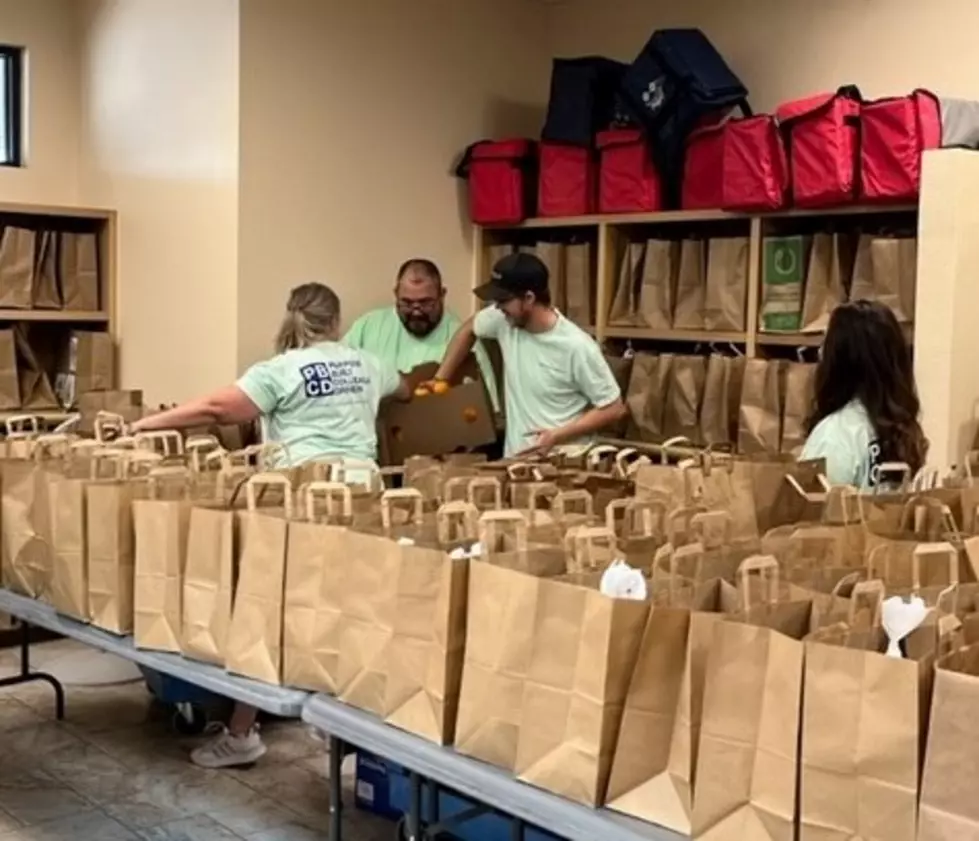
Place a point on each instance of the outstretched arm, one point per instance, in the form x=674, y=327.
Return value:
x=455, y=354
x=227, y=405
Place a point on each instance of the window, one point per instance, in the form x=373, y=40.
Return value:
x=11, y=106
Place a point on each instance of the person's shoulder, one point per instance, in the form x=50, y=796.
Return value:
x=851, y=423
x=372, y=317
x=581, y=340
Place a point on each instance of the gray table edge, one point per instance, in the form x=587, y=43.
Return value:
x=277, y=700
x=477, y=780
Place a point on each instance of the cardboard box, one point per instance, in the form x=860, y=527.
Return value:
x=437, y=424
x=126, y=404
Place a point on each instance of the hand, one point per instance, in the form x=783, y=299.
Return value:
x=545, y=441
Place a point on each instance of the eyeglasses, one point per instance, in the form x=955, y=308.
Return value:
x=423, y=304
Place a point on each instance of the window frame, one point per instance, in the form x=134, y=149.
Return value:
x=13, y=115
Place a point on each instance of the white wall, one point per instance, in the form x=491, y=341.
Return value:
x=46, y=28
x=159, y=95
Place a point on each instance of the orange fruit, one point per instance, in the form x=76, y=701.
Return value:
x=421, y=391
x=469, y=414
x=440, y=387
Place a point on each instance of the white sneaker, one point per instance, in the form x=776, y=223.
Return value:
x=229, y=751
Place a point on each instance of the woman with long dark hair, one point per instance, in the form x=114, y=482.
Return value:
x=865, y=408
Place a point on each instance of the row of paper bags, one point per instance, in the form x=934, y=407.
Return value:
x=759, y=405
x=86, y=362
x=805, y=278
x=41, y=269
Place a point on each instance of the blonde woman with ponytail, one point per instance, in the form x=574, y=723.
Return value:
x=318, y=397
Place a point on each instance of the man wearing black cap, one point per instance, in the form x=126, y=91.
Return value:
x=558, y=387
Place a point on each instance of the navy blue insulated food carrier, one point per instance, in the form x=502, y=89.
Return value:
x=583, y=99
x=677, y=80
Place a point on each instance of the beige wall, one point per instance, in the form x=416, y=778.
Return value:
x=787, y=48
x=47, y=29
x=159, y=97
x=351, y=117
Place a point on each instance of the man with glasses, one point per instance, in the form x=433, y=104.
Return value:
x=418, y=329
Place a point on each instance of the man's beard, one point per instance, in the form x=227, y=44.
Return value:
x=420, y=325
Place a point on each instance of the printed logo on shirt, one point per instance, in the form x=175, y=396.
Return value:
x=334, y=378
x=873, y=463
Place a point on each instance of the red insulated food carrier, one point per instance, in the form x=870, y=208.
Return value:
x=894, y=133
x=566, y=184
x=502, y=179
x=755, y=172
x=823, y=141
x=703, y=169
x=627, y=178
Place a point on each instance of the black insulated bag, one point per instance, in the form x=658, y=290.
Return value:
x=583, y=99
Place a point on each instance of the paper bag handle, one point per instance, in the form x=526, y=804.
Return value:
x=169, y=441
x=44, y=445
x=140, y=460
x=563, y=501
x=537, y=491
x=581, y=543
x=159, y=475
x=106, y=423
x=490, y=522
x=408, y=498
x=485, y=483
x=268, y=480
x=461, y=513
x=455, y=488
x=628, y=461
x=22, y=426
x=814, y=497
x=597, y=454
x=521, y=471
x=924, y=549
x=875, y=571
x=949, y=634
x=699, y=523
x=948, y=599
x=766, y=567
x=891, y=467
x=872, y=592
x=694, y=552
x=68, y=425
x=331, y=492
x=682, y=517
x=678, y=441
x=198, y=447
x=104, y=455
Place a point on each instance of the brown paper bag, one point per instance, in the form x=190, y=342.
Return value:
x=35, y=387
x=18, y=257
x=580, y=286
x=583, y=650
x=551, y=254
x=646, y=396
x=621, y=367
x=27, y=562
x=210, y=571
x=87, y=364
x=655, y=760
x=863, y=729
x=111, y=549
x=718, y=412
x=691, y=286
x=9, y=382
x=658, y=284
x=885, y=271
x=624, y=311
x=160, y=527
x=760, y=417
x=747, y=758
x=726, y=295
x=800, y=380
x=725, y=484
x=825, y=289
x=685, y=391
x=318, y=557
x=67, y=510
x=45, y=291
x=254, y=644
x=499, y=631
x=79, y=271
x=949, y=808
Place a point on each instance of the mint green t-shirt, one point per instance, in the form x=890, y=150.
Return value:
x=848, y=441
x=321, y=401
x=381, y=333
x=549, y=379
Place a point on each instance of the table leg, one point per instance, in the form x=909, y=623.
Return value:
x=336, y=788
x=516, y=829
x=415, y=807
x=27, y=676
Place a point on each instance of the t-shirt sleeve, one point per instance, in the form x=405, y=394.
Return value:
x=489, y=323
x=846, y=456
x=594, y=377
x=262, y=385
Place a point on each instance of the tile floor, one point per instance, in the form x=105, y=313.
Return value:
x=113, y=771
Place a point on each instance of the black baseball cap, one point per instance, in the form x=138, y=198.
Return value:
x=514, y=276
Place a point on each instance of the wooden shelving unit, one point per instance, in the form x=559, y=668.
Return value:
x=47, y=328
x=946, y=221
